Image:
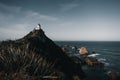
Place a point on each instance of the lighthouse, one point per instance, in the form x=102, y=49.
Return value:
x=38, y=27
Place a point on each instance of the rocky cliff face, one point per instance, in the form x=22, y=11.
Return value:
x=37, y=42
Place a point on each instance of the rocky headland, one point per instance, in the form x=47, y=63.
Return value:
x=36, y=57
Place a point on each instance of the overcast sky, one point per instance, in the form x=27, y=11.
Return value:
x=81, y=20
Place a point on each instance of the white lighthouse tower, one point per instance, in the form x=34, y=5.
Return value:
x=38, y=27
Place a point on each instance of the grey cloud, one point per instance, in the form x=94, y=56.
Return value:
x=10, y=9
x=68, y=6
x=36, y=15
x=85, y=23
x=17, y=22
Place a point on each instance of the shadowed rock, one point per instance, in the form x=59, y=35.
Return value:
x=113, y=75
x=64, y=49
x=93, y=62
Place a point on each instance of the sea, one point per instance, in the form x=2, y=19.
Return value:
x=107, y=52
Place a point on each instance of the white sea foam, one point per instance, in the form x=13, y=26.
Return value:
x=78, y=49
x=93, y=55
x=102, y=59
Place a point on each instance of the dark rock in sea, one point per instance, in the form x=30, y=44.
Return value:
x=113, y=75
x=90, y=61
x=93, y=52
x=39, y=44
x=64, y=49
x=74, y=48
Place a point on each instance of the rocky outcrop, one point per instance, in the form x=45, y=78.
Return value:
x=90, y=61
x=38, y=43
x=83, y=51
x=64, y=49
x=113, y=75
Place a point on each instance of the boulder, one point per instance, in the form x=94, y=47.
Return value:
x=112, y=75
x=90, y=61
x=74, y=48
x=83, y=51
x=64, y=49
x=93, y=52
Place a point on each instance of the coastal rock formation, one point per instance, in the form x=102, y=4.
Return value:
x=93, y=62
x=74, y=48
x=83, y=51
x=39, y=44
x=64, y=49
x=112, y=75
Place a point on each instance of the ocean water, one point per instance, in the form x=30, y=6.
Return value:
x=106, y=52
